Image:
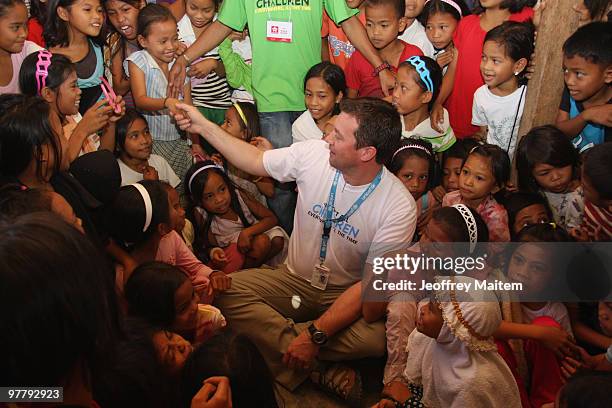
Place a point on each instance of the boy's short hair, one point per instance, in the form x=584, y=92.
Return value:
x=591, y=42
x=399, y=5
x=598, y=169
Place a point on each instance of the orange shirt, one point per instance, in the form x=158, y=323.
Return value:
x=340, y=48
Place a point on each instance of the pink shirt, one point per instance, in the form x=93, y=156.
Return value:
x=173, y=250
x=492, y=213
x=359, y=72
x=17, y=59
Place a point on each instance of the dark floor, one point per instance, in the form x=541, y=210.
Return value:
x=308, y=395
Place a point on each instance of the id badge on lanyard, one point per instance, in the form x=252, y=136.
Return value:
x=279, y=31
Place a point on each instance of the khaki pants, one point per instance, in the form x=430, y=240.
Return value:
x=263, y=304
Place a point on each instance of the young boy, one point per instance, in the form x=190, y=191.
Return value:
x=384, y=20
x=336, y=46
x=596, y=175
x=585, y=113
x=415, y=32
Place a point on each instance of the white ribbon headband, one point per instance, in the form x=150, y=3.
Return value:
x=470, y=223
x=201, y=169
x=411, y=146
x=148, y=204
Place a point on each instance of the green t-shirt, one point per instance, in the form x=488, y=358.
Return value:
x=279, y=67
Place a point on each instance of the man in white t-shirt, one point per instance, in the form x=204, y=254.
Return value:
x=285, y=311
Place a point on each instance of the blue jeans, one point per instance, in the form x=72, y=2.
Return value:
x=276, y=127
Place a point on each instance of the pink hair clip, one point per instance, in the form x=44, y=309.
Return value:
x=110, y=95
x=42, y=69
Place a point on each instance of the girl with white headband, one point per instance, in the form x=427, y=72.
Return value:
x=414, y=164
x=141, y=222
x=465, y=231
x=230, y=224
x=418, y=86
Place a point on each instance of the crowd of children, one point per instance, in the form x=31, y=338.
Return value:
x=174, y=219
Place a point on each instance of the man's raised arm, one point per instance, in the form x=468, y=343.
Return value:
x=241, y=154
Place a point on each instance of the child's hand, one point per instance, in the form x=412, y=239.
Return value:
x=569, y=366
x=557, y=340
x=436, y=117
x=601, y=115
x=96, y=117
x=202, y=68
x=170, y=104
x=115, y=116
x=219, y=282
x=438, y=193
x=190, y=119
x=579, y=234
x=215, y=393
x=180, y=49
x=218, y=257
x=262, y=143
x=150, y=173
x=445, y=58
x=217, y=158
x=244, y=241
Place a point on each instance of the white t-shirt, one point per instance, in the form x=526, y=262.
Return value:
x=415, y=35
x=305, y=128
x=556, y=310
x=385, y=221
x=164, y=171
x=499, y=114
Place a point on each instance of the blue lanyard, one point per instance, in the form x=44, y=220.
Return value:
x=329, y=220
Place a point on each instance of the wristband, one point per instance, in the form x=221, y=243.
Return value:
x=380, y=68
x=187, y=59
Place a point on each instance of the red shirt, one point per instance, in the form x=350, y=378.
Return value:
x=35, y=32
x=469, y=39
x=359, y=72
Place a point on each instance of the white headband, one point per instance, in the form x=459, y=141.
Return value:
x=201, y=169
x=470, y=223
x=452, y=4
x=148, y=204
x=411, y=146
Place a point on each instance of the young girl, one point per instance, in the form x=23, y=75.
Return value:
x=142, y=221
x=414, y=164
x=485, y=172
x=73, y=28
x=57, y=84
x=38, y=16
x=30, y=152
x=526, y=209
x=452, y=359
x=418, y=84
x=242, y=122
x=133, y=151
x=498, y=105
x=441, y=18
x=13, y=45
x=468, y=41
x=148, y=71
x=543, y=326
x=227, y=216
x=324, y=88
x=547, y=162
x=452, y=159
x=163, y=296
x=447, y=225
x=209, y=89
x=122, y=42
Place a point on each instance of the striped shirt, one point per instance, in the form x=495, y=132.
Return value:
x=212, y=91
x=597, y=218
x=160, y=122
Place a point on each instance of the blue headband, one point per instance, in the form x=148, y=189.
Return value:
x=419, y=64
